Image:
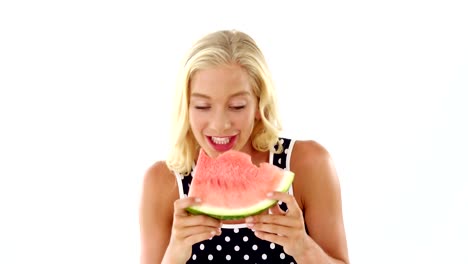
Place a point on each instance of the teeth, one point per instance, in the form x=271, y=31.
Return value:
x=220, y=140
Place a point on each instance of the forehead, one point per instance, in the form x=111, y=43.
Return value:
x=220, y=81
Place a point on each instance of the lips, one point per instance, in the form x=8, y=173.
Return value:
x=223, y=143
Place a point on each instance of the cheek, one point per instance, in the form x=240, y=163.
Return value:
x=192, y=121
x=196, y=121
x=245, y=120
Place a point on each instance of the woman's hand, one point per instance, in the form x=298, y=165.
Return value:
x=283, y=228
x=187, y=230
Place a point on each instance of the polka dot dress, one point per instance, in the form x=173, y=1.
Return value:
x=237, y=243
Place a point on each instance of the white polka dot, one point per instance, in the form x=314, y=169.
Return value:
x=246, y=257
x=272, y=245
x=282, y=256
x=228, y=257
x=202, y=247
x=210, y=257
x=264, y=256
x=218, y=247
x=236, y=230
x=245, y=239
x=279, y=161
x=254, y=247
x=227, y=239
x=236, y=248
x=286, y=151
x=280, y=202
x=194, y=257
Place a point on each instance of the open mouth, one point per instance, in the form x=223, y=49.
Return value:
x=222, y=143
x=221, y=140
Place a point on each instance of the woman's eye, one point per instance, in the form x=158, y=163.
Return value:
x=202, y=107
x=238, y=107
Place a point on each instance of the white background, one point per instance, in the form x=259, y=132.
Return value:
x=85, y=95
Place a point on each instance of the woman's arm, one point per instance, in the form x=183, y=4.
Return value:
x=156, y=210
x=317, y=189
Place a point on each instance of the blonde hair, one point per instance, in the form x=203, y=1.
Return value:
x=216, y=49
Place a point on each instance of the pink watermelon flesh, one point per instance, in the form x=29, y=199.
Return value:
x=231, y=187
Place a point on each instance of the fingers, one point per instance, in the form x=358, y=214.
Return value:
x=181, y=204
x=270, y=219
x=272, y=228
x=293, y=207
x=279, y=223
x=277, y=239
x=181, y=212
x=283, y=228
x=276, y=209
x=193, y=228
x=278, y=215
x=189, y=231
x=198, y=237
x=196, y=220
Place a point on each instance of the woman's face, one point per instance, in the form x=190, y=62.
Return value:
x=222, y=109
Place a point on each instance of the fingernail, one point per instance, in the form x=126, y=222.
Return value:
x=213, y=233
x=270, y=194
x=250, y=224
x=197, y=200
x=249, y=219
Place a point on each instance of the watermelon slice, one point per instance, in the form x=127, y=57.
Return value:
x=231, y=187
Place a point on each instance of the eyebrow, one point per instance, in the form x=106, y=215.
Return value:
x=208, y=97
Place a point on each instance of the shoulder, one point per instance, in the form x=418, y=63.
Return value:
x=308, y=154
x=158, y=172
x=159, y=185
x=159, y=193
x=314, y=169
x=159, y=177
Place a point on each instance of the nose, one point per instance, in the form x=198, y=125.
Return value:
x=220, y=122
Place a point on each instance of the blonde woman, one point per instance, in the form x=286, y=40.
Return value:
x=225, y=100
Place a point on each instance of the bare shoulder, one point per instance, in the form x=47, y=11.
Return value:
x=159, y=188
x=310, y=149
x=315, y=171
x=159, y=192
x=158, y=176
x=309, y=156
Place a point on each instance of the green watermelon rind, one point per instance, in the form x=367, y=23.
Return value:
x=235, y=214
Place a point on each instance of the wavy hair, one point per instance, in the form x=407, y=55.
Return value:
x=216, y=49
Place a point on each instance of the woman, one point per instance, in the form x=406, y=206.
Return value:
x=225, y=100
